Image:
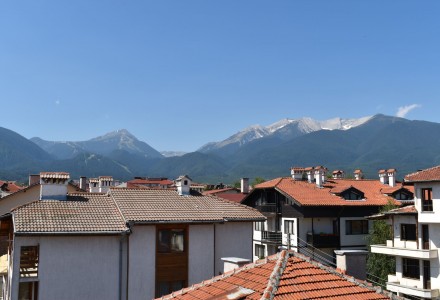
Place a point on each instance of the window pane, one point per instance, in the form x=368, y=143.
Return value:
x=177, y=240
x=164, y=237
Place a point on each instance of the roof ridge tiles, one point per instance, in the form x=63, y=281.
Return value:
x=274, y=279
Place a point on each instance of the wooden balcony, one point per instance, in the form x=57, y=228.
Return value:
x=267, y=208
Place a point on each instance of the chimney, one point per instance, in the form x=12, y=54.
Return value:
x=34, y=179
x=105, y=182
x=352, y=263
x=358, y=175
x=338, y=174
x=183, y=184
x=83, y=183
x=319, y=176
x=53, y=185
x=392, y=177
x=383, y=176
x=94, y=185
x=245, y=185
x=232, y=263
x=297, y=173
x=310, y=174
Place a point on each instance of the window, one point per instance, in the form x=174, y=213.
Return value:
x=29, y=261
x=426, y=199
x=289, y=226
x=260, y=250
x=259, y=226
x=411, y=268
x=408, y=232
x=28, y=290
x=171, y=240
x=353, y=227
x=401, y=195
x=351, y=195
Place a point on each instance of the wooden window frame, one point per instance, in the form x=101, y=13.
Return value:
x=426, y=197
x=259, y=226
x=289, y=226
x=411, y=268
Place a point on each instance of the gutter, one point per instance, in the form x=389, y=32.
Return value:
x=69, y=233
x=154, y=222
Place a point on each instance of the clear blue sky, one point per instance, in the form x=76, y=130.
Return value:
x=178, y=74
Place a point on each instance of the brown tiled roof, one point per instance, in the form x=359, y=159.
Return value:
x=306, y=193
x=233, y=197
x=164, y=205
x=80, y=213
x=219, y=191
x=431, y=174
x=286, y=275
x=149, y=181
x=9, y=186
x=406, y=210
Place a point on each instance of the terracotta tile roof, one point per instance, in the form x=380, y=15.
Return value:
x=390, y=190
x=150, y=181
x=80, y=213
x=219, y=191
x=406, y=210
x=286, y=275
x=431, y=174
x=233, y=197
x=306, y=193
x=9, y=186
x=165, y=205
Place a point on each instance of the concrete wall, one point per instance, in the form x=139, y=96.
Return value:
x=73, y=267
x=428, y=216
x=201, y=253
x=398, y=243
x=358, y=240
x=232, y=239
x=142, y=257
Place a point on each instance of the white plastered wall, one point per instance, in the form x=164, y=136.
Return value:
x=201, y=253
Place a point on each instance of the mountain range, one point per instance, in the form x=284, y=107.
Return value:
x=369, y=143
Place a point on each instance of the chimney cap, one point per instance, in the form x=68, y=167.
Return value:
x=357, y=171
x=58, y=175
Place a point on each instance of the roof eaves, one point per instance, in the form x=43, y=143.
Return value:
x=69, y=233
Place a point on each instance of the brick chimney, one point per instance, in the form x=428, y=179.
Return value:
x=94, y=185
x=338, y=174
x=53, y=185
x=183, y=184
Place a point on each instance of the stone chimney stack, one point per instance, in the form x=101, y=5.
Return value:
x=358, y=175
x=83, y=183
x=383, y=176
x=105, y=182
x=54, y=185
x=34, y=179
x=297, y=173
x=319, y=176
x=392, y=177
x=183, y=184
x=245, y=185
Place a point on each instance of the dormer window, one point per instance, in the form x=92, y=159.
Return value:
x=352, y=194
x=185, y=182
x=403, y=195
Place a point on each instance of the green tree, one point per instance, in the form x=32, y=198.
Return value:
x=379, y=266
x=237, y=184
x=257, y=180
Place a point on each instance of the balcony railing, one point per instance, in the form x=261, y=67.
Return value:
x=268, y=207
x=323, y=240
x=271, y=237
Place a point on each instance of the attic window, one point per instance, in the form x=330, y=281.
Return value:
x=403, y=195
x=352, y=194
x=185, y=182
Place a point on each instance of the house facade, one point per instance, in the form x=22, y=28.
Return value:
x=416, y=239
x=126, y=244
x=308, y=211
